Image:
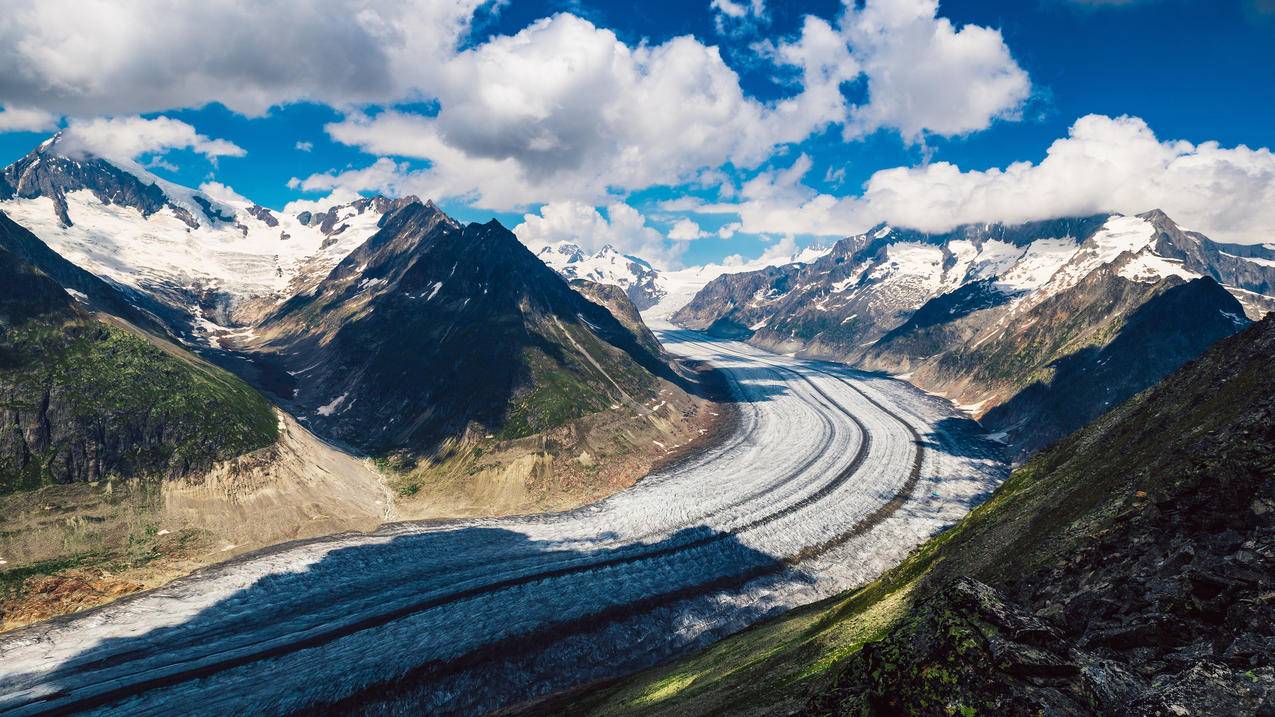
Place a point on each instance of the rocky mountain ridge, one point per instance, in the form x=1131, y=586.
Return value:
x=637, y=277
x=990, y=315
x=213, y=259
x=432, y=329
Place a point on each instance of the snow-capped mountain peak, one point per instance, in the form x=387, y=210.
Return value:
x=637, y=277
x=873, y=282
x=208, y=253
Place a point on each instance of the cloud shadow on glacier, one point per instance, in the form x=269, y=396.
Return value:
x=394, y=582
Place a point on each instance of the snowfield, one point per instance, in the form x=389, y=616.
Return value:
x=831, y=477
x=242, y=258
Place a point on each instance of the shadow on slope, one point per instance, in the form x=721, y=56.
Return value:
x=1156, y=339
x=506, y=596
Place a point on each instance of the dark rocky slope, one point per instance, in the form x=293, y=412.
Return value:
x=1066, y=360
x=1129, y=570
x=432, y=330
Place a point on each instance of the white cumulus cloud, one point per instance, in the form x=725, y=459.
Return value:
x=686, y=230
x=88, y=57
x=1104, y=164
x=560, y=111
x=623, y=227
x=26, y=119
x=127, y=138
x=924, y=75
x=564, y=110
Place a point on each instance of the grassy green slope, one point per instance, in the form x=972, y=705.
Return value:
x=87, y=400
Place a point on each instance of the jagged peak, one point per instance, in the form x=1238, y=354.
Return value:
x=52, y=140
x=1159, y=218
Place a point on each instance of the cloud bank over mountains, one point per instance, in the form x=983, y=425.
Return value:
x=1104, y=164
x=567, y=119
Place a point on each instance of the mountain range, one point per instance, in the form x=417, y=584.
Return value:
x=637, y=277
x=210, y=259
x=369, y=320
x=1035, y=328
x=166, y=352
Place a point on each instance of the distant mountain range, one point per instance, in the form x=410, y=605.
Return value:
x=1036, y=328
x=210, y=260
x=607, y=266
x=657, y=293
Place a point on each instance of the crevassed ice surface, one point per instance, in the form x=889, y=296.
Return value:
x=831, y=477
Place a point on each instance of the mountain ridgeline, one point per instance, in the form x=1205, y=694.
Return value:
x=381, y=323
x=638, y=279
x=1035, y=328
x=432, y=329
x=206, y=264
x=46, y=172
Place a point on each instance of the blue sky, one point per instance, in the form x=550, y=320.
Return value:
x=1199, y=72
